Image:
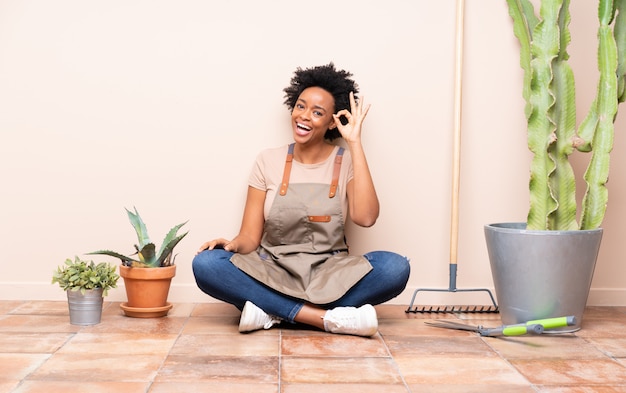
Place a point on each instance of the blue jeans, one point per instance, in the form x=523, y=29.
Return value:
x=219, y=278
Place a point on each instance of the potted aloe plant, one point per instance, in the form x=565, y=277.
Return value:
x=544, y=267
x=147, y=273
x=85, y=283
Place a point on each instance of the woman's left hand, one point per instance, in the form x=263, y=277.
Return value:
x=351, y=132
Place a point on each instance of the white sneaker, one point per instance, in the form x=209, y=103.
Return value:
x=360, y=321
x=253, y=318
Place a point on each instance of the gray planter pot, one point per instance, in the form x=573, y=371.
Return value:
x=541, y=274
x=85, y=309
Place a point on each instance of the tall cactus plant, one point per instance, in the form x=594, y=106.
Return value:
x=550, y=110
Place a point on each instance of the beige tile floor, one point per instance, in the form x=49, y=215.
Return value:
x=197, y=348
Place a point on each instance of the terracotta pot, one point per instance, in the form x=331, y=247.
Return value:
x=147, y=290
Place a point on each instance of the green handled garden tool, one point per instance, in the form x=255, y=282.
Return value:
x=531, y=327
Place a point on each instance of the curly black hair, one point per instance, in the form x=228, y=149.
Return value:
x=337, y=82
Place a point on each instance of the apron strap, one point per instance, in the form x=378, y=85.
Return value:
x=285, y=183
x=287, y=172
x=336, y=170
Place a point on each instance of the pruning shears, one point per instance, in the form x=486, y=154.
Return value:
x=531, y=327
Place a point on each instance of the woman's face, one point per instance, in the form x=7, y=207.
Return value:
x=312, y=115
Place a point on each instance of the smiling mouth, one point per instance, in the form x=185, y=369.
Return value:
x=302, y=129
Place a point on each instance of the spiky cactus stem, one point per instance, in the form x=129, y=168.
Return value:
x=550, y=97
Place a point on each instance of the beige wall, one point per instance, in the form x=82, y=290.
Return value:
x=163, y=105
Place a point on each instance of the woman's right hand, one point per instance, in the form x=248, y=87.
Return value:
x=213, y=244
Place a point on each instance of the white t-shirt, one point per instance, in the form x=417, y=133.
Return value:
x=267, y=174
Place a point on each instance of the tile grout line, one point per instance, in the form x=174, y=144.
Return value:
x=71, y=335
x=280, y=360
x=178, y=336
x=530, y=384
x=395, y=364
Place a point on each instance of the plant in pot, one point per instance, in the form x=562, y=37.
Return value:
x=544, y=267
x=85, y=284
x=147, y=273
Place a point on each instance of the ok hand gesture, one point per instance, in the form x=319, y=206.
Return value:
x=351, y=132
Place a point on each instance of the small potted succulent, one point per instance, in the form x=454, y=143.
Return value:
x=85, y=283
x=147, y=273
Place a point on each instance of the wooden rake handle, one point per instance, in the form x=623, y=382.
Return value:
x=456, y=164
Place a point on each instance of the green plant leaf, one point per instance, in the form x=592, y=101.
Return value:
x=169, y=248
x=81, y=275
x=124, y=258
x=147, y=255
x=140, y=228
x=166, y=245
